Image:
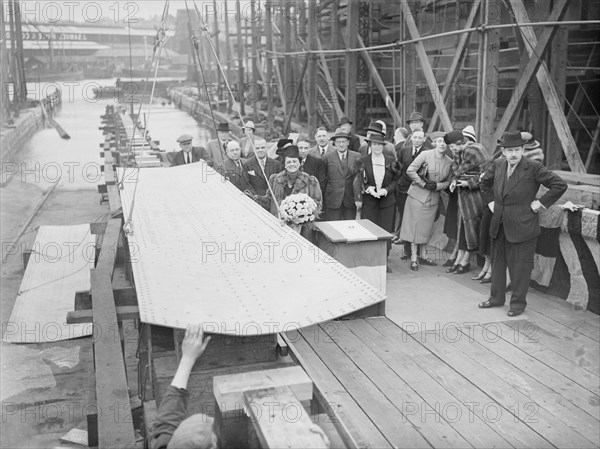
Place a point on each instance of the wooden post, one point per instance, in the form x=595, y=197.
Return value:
x=335, y=43
x=228, y=52
x=426, y=67
x=528, y=69
x=549, y=92
x=288, y=70
x=489, y=83
x=330, y=83
x=269, y=75
x=558, y=69
x=254, y=60
x=240, y=41
x=216, y=39
x=389, y=104
x=311, y=39
x=456, y=64
x=351, y=59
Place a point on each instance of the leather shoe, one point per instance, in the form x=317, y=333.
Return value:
x=514, y=312
x=429, y=262
x=452, y=269
x=462, y=269
x=449, y=263
x=489, y=304
x=414, y=266
x=486, y=280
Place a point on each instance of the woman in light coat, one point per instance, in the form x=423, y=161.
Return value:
x=429, y=173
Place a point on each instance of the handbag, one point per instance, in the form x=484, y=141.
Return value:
x=423, y=173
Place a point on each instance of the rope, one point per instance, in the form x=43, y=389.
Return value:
x=236, y=109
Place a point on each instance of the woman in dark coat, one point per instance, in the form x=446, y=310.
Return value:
x=375, y=184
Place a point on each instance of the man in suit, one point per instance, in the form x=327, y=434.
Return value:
x=260, y=167
x=509, y=187
x=217, y=148
x=406, y=156
x=234, y=169
x=323, y=145
x=188, y=153
x=339, y=169
x=416, y=122
x=345, y=126
x=310, y=164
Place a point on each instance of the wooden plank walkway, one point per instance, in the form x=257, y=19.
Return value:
x=515, y=383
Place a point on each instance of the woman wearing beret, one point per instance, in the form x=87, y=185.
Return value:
x=429, y=173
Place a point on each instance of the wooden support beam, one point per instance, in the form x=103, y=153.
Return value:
x=489, y=81
x=123, y=297
x=330, y=83
x=228, y=54
x=87, y=316
x=335, y=43
x=528, y=69
x=288, y=68
x=549, y=92
x=256, y=75
x=558, y=70
x=593, y=151
x=288, y=117
x=351, y=59
x=312, y=67
x=269, y=63
x=268, y=410
x=240, y=58
x=426, y=67
x=381, y=87
x=456, y=64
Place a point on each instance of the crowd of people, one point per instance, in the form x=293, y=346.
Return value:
x=487, y=196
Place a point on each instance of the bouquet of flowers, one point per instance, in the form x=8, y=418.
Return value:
x=298, y=209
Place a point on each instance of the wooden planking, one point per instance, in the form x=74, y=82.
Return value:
x=112, y=392
x=527, y=379
x=517, y=433
x=513, y=401
x=491, y=337
x=86, y=316
x=280, y=420
x=354, y=425
x=437, y=431
x=108, y=253
x=388, y=418
x=581, y=350
x=473, y=428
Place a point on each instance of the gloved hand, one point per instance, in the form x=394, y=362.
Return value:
x=431, y=185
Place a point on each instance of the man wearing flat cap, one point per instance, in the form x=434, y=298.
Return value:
x=217, y=148
x=188, y=153
x=345, y=126
x=340, y=171
x=509, y=187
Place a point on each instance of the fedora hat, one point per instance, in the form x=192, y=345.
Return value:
x=344, y=120
x=376, y=127
x=469, y=132
x=250, y=124
x=415, y=117
x=511, y=139
x=339, y=136
x=375, y=138
x=223, y=126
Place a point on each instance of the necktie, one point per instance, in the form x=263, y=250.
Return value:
x=322, y=151
x=239, y=165
x=510, y=171
x=186, y=158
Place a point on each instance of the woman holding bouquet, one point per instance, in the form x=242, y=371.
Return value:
x=429, y=173
x=375, y=185
x=291, y=181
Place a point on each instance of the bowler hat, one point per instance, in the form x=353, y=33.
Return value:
x=415, y=117
x=375, y=138
x=289, y=151
x=469, y=132
x=344, y=120
x=339, y=136
x=511, y=139
x=454, y=136
x=250, y=124
x=376, y=127
x=184, y=138
x=223, y=126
